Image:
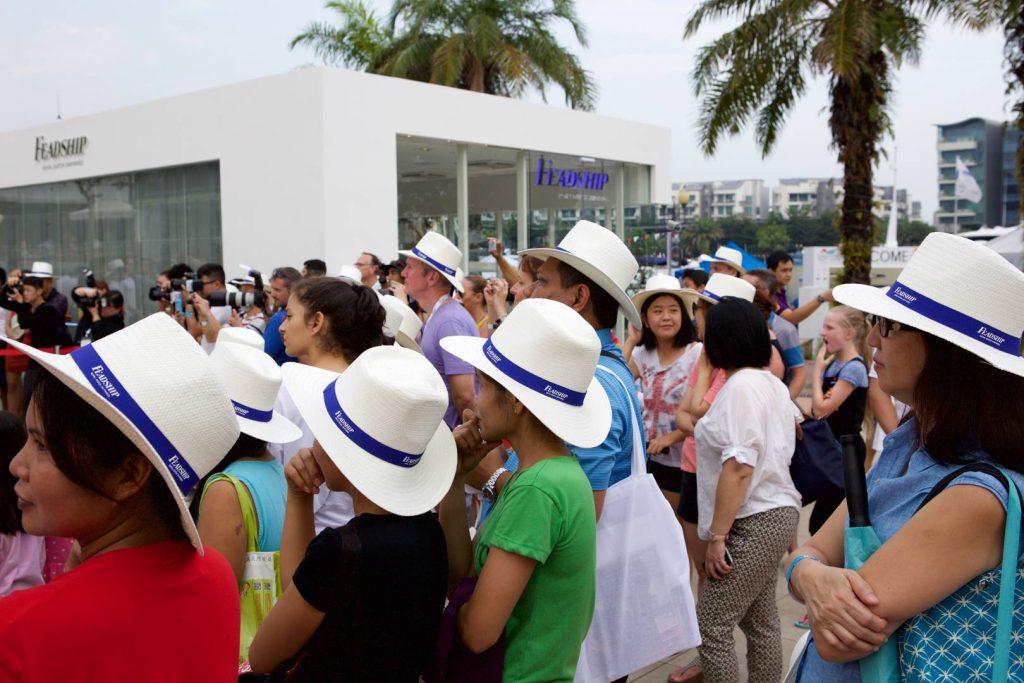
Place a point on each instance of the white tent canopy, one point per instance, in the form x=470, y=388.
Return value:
x=1007, y=242
x=1010, y=245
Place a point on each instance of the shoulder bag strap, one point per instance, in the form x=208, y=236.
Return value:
x=639, y=460
x=1008, y=568
x=252, y=542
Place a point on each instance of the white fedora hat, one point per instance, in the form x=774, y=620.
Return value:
x=40, y=269
x=958, y=290
x=240, y=335
x=666, y=284
x=401, y=322
x=156, y=385
x=382, y=423
x=599, y=254
x=720, y=285
x=253, y=381
x=554, y=380
x=439, y=253
x=350, y=274
x=730, y=257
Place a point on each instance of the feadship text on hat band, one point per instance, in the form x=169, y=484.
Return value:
x=530, y=380
x=251, y=413
x=437, y=264
x=106, y=384
x=360, y=438
x=953, y=319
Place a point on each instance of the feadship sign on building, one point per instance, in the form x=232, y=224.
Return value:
x=181, y=180
x=54, y=150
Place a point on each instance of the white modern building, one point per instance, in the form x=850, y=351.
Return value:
x=315, y=163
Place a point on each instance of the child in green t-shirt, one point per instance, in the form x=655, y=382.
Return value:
x=535, y=557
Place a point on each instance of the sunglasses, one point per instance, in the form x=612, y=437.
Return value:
x=886, y=326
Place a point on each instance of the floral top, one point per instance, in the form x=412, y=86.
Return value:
x=662, y=389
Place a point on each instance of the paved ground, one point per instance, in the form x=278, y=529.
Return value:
x=789, y=611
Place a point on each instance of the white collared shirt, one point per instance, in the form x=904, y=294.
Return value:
x=754, y=421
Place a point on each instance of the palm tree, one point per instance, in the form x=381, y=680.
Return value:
x=500, y=47
x=762, y=67
x=700, y=236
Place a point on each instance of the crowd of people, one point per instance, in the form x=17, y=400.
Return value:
x=402, y=472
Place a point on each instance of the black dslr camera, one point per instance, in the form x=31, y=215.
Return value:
x=242, y=300
x=189, y=283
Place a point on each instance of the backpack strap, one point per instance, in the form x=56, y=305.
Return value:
x=252, y=542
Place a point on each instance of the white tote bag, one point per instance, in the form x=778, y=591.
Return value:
x=644, y=610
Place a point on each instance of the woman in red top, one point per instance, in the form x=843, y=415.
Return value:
x=120, y=432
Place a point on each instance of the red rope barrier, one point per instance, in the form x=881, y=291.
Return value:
x=63, y=350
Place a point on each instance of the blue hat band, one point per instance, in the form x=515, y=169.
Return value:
x=106, y=384
x=530, y=380
x=954, y=319
x=437, y=264
x=360, y=438
x=250, y=413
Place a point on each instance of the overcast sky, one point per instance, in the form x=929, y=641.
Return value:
x=103, y=54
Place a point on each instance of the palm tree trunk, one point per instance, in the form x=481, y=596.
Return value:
x=858, y=122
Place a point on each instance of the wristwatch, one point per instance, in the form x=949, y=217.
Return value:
x=820, y=299
x=488, y=490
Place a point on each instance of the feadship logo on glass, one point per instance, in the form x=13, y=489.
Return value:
x=103, y=383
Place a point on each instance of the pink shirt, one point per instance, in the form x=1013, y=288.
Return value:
x=689, y=459
x=22, y=557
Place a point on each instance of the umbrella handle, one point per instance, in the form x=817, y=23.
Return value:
x=853, y=477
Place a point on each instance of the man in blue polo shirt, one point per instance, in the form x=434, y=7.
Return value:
x=589, y=272
x=281, y=282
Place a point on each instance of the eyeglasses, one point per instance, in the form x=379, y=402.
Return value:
x=886, y=326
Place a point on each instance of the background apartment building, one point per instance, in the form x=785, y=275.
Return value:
x=988, y=149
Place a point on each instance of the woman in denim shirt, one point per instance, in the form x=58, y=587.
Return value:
x=953, y=354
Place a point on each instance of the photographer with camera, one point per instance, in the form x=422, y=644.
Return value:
x=44, y=271
x=252, y=315
x=207, y=320
x=87, y=296
x=42, y=321
x=105, y=311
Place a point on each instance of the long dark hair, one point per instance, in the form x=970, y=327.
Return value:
x=245, y=446
x=736, y=335
x=353, y=313
x=12, y=438
x=684, y=337
x=962, y=403
x=86, y=447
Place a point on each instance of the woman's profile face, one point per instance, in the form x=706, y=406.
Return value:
x=295, y=332
x=664, y=317
x=699, y=317
x=899, y=360
x=50, y=503
x=493, y=409
x=522, y=289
